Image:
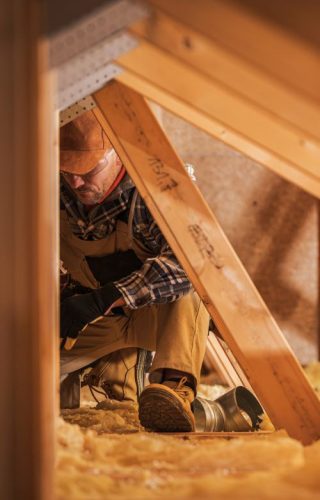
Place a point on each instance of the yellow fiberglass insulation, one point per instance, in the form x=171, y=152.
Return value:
x=108, y=455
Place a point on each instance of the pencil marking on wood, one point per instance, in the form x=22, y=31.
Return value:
x=164, y=180
x=131, y=115
x=206, y=249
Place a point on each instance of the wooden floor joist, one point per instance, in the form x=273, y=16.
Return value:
x=240, y=123
x=213, y=267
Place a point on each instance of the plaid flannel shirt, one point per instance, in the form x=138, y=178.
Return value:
x=161, y=278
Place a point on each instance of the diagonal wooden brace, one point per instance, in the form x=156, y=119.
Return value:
x=213, y=267
x=220, y=358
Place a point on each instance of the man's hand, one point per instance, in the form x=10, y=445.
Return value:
x=78, y=311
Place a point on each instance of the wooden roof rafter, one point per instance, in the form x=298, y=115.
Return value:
x=208, y=81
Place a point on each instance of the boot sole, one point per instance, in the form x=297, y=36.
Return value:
x=161, y=411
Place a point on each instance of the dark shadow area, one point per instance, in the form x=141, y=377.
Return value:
x=61, y=13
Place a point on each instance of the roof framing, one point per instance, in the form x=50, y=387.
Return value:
x=213, y=267
x=199, y=61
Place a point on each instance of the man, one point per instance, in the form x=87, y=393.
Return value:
x=130, y=290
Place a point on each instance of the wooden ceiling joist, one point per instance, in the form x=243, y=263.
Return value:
x=229, y=117
x=212, y=266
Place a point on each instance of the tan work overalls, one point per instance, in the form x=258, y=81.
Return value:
x=176, y=331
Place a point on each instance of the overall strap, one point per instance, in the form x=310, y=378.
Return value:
x=130, y=219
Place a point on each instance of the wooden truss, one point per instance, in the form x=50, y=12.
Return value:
x=235, y=75
x=217, y=274
x=219, y=358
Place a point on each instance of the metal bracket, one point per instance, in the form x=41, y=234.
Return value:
x=83, y=34
x=79, y=107
x=87, y=85
x=90, y=70
x=83, y=53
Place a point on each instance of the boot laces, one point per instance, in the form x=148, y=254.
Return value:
x=182, y=389
x=87, y=380
x=94, y=390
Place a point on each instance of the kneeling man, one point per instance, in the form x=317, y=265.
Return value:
x=130, y=292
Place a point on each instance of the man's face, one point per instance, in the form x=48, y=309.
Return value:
x=91, y=187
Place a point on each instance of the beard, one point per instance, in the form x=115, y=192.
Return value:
x=89, y=196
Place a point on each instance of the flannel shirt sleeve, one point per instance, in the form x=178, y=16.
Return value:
x=161, y=278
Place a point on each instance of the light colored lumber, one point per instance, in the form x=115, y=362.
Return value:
x=318, y=302
x=229, y=370
x=29, y=251
x=195, y=236
x=230, y=69
x=219, y=361
x=234, y=112
x=264, y=43
x=228, y=117
x=233, y=361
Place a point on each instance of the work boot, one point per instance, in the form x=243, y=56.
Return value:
x=70, y=391
x=118, y=375
x=166, y=407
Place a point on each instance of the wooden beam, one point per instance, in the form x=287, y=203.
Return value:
x=210, y=262
x=232, y=71
x=318, y=264
x=301, y=20
x=253, y=132
x=219, y=361
x=234, y=112
x=262, y=42
x=29, y=251
x=225, y=363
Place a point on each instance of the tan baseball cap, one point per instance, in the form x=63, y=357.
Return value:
x=83, y=143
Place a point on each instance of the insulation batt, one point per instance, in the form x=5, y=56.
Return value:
x=104, y=453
